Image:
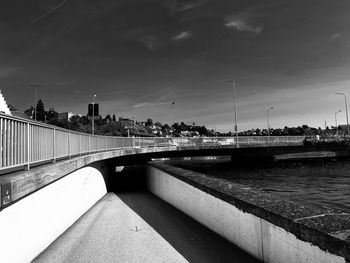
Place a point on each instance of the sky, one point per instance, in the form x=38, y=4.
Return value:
x=139, y=56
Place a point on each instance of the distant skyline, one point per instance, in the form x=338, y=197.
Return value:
x=139, y=56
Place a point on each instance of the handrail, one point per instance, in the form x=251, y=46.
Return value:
x=24, y=143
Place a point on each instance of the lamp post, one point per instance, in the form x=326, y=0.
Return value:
x=268, y=123
x=93, y=117
x=35, y=86
x=171, y=118
x=335, y=118
x=235, y=107
x=346, y=110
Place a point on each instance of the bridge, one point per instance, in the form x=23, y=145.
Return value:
x=26, y=144
x=34, y=155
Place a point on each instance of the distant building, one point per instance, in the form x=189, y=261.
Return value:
x=3, y=105
x=128, y=123
x=189, y=133
x=66, y=115
x=22, y=115
x=131, y=128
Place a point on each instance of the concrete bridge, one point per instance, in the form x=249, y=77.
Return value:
x=34, y=155
x=55, y=152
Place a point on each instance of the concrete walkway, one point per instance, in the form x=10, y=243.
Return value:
x=138, y=227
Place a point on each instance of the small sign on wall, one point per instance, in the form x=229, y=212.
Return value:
x=5, y=194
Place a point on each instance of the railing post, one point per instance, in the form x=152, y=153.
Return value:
x=89, y=145
x=54, y=145
x=106, y=143
x=79, y=144
x=68, y=144
x=28, y=147
x=1, y=142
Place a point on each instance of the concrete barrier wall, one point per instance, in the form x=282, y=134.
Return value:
x=28, y=226
x=257, y=236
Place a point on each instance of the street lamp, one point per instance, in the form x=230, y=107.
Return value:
x=93, y=113
x=235, y=106
x=335, y=118
x=346, y=110
x=171, y=118
x=268, y=123
x=36, y=86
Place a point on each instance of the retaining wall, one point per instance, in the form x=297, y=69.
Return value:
x=269, y=229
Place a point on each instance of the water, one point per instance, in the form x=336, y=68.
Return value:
x=320, y=183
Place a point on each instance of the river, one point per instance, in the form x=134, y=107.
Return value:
x=320, y=183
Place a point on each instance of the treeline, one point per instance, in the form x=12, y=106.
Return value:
x=109, y=125
x=303, y=130
x=103, y=126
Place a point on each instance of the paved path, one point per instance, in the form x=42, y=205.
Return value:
x=138, y=227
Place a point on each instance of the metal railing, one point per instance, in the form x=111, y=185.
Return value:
x=24, y=142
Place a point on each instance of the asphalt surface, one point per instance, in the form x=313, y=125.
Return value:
x=139, y=227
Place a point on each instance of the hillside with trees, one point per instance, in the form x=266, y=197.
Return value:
x=111, y=126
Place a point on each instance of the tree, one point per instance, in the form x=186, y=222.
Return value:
x=74, y=123
x=75, y=119
x=12, y=108
x=183, y=127
x=175, y=126
x=158, y=124
x=99, y=121
x=108, y=118
x=84, y=120
x=202, y=131
x=40, y=111
x=30, y=112
x=52, y=116
x=113, y=118
x=111, y=129
x=149, y=122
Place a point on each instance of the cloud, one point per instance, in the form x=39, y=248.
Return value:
x=6, y=71
x=150, y=41
x=182, y=36
x=48, y=13
x=154, y=41
x=149, y=104
x=179, y=6
x=335, y=37
x=242, y=24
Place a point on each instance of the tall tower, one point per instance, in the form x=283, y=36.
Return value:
x=3, y=105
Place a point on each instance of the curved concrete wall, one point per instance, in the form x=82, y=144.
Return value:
x=258, y=237
x=30, y=225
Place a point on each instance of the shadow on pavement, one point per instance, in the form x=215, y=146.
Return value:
x=194, y=241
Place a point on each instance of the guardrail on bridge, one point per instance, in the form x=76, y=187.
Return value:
x=24, y=143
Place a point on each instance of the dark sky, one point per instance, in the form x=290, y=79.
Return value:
x=138, y=56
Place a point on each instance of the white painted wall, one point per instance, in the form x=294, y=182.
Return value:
x=30, y=225
x=258, y=237
x=3, y=105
